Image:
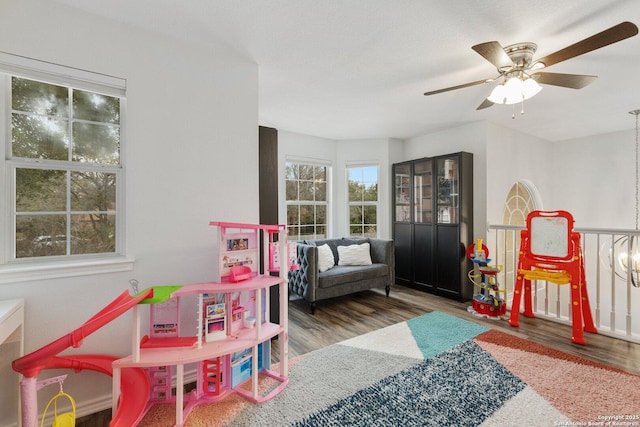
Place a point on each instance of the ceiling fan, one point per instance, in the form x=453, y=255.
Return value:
x=521, y=75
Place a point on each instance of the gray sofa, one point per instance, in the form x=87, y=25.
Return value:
x=312, y=285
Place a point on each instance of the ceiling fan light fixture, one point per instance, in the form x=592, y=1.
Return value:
x=519, y=72
x=514, y=90
x=498, y=95
x=530, y=88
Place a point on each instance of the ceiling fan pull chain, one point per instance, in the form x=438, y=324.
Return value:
x=513, y=107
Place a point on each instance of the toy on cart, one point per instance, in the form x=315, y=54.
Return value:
x=487, y=302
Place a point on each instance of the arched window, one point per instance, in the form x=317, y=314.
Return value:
x=522, y=198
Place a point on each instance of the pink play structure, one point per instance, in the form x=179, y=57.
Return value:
x=231, y=345
x=133, y=390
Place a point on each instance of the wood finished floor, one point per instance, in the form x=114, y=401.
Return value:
x=345, y=317
x=341, y=318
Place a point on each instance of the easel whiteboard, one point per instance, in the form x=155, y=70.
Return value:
x=549, y=236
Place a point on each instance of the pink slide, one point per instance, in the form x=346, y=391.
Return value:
x=134, y=397
x=31, y=364
x=134, y=386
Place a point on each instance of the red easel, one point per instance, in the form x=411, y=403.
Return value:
x=550, y=250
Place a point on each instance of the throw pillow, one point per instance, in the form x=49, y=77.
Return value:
x=325, y=258
x=354, y=254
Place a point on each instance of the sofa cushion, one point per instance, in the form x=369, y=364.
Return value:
x=334, y=243
x=341, y=274
x=325, y=258
x=354, y=254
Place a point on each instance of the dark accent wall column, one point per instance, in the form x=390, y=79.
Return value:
x=268, y=194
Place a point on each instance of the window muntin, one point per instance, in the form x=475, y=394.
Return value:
x=65, y=168
x=306, y=199
x=363, y=200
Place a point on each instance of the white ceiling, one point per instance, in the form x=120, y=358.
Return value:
x=353, y=69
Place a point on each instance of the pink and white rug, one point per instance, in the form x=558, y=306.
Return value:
x=434, y=370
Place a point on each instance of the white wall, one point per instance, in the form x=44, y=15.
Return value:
x=512, y=157
x=591, y=177
x=470, y=138
x=191, y=155
x=595, y=179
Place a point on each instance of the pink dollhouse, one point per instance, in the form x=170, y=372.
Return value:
x=232, y=341
x=230, y=345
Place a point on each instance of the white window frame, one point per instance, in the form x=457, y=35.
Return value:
x=327, y=203
x=23, y=270
x=351, y=165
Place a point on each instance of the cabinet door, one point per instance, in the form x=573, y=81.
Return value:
x=402, y=193
x=448, y=259
x=423, y=261
x=422, y=194
x=403, y=252
x=447, y=180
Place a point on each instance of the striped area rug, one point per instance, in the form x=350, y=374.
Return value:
x=436, y=370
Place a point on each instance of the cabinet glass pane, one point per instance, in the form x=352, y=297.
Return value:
x=422, y=195
x=448, y=187
x=402, y=193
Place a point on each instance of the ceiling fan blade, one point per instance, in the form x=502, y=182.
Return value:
x=477, y=82
x=573, y=81
x=494, y=53
x=612, y=35
x=485, y=104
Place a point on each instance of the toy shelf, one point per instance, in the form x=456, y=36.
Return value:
x=243, y=339
x=257, y=282
x=231, y=343
x=177, y=355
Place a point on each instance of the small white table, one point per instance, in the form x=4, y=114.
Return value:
x=12, y=330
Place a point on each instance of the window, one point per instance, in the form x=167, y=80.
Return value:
x=363, y=200
x=307, y=201
x=521, y=201
x=64, y=170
